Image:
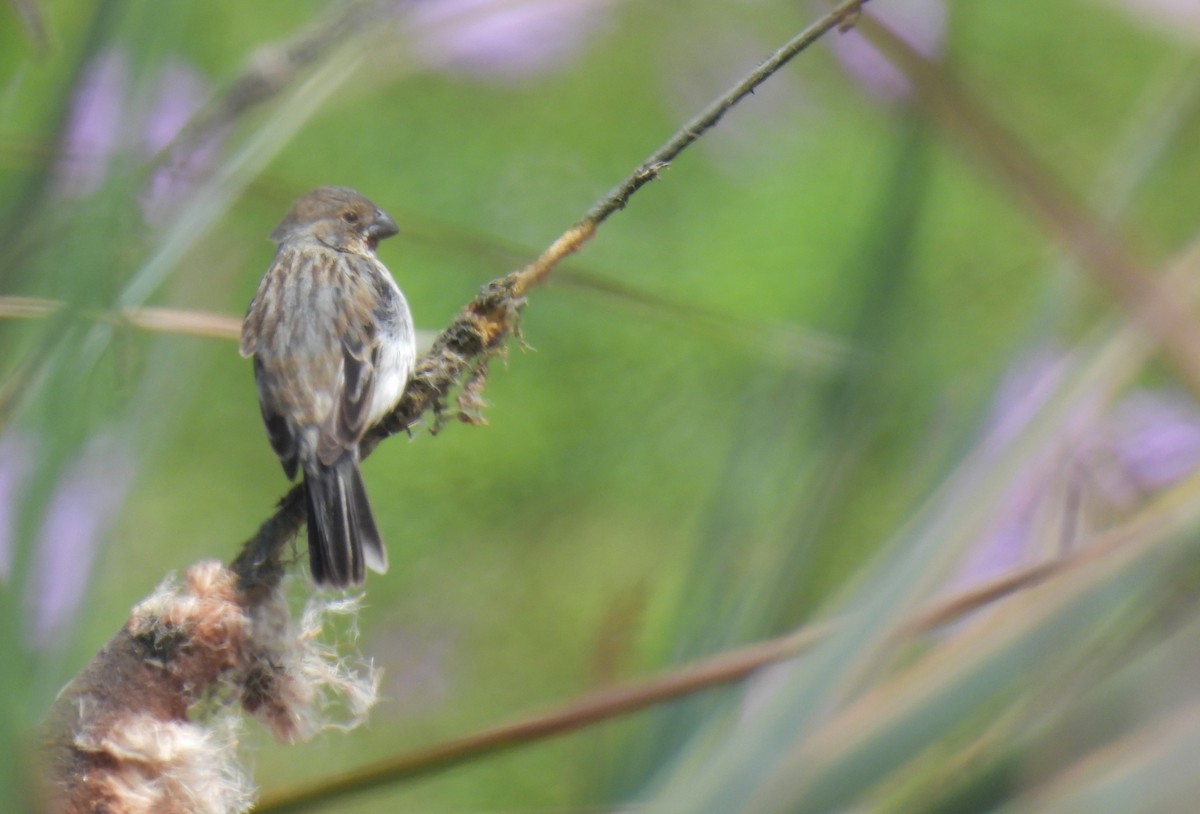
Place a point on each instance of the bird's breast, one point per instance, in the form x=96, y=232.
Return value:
x=397, y=348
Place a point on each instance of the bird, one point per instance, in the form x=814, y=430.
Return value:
x=333, y=344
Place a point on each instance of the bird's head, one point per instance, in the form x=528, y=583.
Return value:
x=340, y=218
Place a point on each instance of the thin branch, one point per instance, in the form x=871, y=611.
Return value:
x=459, y=357
x=842, y=16
x=717, y=671
x=723, y=669
x=161, y=320
x=805, y=348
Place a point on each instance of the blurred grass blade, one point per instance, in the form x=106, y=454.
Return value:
x=920, y=555
x=1095, y=244
x=1151, y=769
x=1016, y=641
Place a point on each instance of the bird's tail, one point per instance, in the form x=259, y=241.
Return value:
x=342, y=536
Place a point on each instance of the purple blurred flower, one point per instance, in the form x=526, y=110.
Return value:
x=920, y=23
x=1156, y=437
x=501, y=39
x=93, y=131
x=179, y=94
x=103, y=121
x=79, y=514
x=1103, y=464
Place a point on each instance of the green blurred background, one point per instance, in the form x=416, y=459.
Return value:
x=730, y=400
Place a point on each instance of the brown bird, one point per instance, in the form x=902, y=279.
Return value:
x=333, y=346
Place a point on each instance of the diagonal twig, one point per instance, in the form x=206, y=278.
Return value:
x=717, y=671
x=460, y=354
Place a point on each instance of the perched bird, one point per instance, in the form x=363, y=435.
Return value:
x=333, y=346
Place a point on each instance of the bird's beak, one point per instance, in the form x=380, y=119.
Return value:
x=382, y=227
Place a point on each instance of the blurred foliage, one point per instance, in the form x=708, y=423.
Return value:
x=654, y=484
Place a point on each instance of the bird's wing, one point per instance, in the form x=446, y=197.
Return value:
x=279, y=430
x=359, y=336
x=252, y=323
x=250, y=327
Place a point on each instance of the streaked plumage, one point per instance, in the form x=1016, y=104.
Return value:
x=333, y=346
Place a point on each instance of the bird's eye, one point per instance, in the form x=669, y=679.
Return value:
x=350, y=217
